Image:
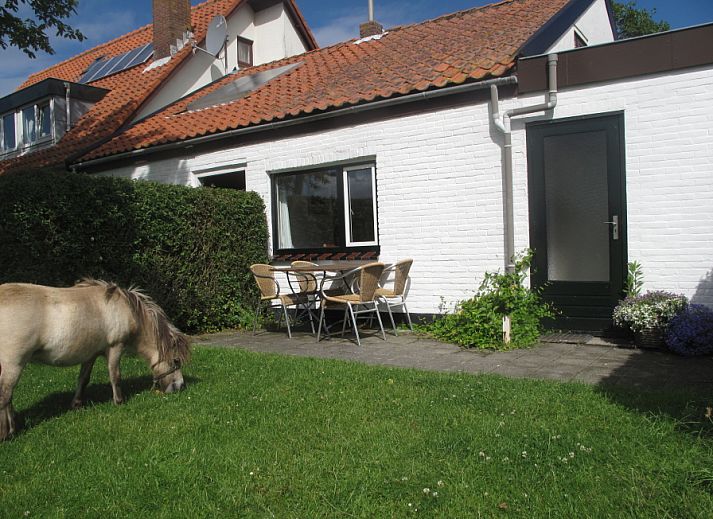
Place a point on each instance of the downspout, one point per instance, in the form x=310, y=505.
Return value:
x=503, y=125
x=68, y=124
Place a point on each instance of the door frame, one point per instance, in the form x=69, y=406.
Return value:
x=572, y=295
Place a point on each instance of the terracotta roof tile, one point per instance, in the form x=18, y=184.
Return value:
x=468, y=45
x=128, y=89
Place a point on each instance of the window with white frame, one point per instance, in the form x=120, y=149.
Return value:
x=326, y=209
x=245, y=52
x=9, y=138
x=27, y=126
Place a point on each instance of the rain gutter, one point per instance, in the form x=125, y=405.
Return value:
x=395, y=101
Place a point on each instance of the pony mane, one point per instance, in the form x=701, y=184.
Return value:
x=171, y=343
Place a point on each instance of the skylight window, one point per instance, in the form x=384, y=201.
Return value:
x=108, y=66
x=240, y=88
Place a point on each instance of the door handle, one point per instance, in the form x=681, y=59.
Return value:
x=614, y=227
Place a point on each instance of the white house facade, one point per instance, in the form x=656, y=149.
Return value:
x=439, y=189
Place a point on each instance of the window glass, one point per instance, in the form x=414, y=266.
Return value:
x=579, y=41
x=8, y=132
x=28, y=125
x=308, y=210
x=245, y=52
x=360, y=204
x=44, y=122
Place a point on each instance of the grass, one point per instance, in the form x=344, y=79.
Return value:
x=267, y=436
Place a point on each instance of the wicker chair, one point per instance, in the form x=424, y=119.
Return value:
x=368, y=281
x=306, y=280
x=270, y=292
x=396, y=296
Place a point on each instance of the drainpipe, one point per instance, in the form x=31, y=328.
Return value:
x=68, y=124
x=504, y=126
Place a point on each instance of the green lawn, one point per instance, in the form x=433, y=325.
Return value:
x=267, y=436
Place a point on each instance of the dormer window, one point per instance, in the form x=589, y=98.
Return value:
x=36, y=123
x=38, y=116
x=9, y=140
x=245, y=52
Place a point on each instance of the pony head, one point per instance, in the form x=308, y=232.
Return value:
x=173, y=352
x=156, y=339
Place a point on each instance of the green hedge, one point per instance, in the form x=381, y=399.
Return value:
x=190, y=249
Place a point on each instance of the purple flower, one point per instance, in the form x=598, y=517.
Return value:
x=691, y=332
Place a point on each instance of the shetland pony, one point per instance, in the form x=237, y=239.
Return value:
x=68, y=326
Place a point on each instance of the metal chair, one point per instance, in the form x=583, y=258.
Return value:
x=270, y=291
x=306, y=280
x=368, y=282
x=396, y=296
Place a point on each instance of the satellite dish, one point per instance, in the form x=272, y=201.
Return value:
x=217, y=31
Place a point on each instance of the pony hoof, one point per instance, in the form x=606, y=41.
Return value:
x=77, y=404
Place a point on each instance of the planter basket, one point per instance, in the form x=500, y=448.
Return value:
x=650, y=338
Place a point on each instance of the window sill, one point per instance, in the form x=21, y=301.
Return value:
x=371, y=253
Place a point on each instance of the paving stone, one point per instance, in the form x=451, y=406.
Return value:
x=601, y=364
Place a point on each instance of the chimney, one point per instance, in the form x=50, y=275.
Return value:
x=171, y=25
x=370, y=28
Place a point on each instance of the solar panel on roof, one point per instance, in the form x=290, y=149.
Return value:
x=108, y=66
x=145, y=53
x=99, y=63
x=239, y=88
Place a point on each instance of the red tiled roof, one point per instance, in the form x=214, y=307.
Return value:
x=470, y=45
x=128, y=89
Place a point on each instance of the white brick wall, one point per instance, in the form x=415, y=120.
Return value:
x=439, y=182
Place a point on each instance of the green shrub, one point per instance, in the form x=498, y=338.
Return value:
x=190, y=249
x=478, y=322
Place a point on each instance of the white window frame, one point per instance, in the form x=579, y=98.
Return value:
x=2, y=132
x=347, y=206
x=50, y=135
x=239, y=166
x=580, y=34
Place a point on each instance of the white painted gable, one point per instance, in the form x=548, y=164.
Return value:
x=274, y=37
x=594, y=27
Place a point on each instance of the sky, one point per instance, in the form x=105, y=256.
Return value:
x=330, y=20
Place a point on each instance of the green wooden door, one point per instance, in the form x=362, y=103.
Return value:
x=578, y=217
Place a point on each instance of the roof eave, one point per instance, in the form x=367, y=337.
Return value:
x=303, y=119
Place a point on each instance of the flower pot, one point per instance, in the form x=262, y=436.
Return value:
x=650, y=339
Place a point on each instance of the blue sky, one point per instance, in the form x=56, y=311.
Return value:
x=330, y=20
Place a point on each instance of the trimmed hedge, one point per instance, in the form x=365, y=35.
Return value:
x=190, y=249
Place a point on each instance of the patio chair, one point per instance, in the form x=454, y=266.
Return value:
x=368, y=281
x=270, y=291
x=307, y=281
x=396, y=296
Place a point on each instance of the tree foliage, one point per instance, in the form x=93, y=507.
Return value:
x=30, y=34
x=633, y=21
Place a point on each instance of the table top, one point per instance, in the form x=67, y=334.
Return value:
x=337, y=266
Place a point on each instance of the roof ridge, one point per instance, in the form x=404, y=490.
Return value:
x=452, y=15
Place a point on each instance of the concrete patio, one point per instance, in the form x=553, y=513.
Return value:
x=591, y=361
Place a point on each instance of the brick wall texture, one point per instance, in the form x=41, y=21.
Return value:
x=440, y=193
x=171, y=19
